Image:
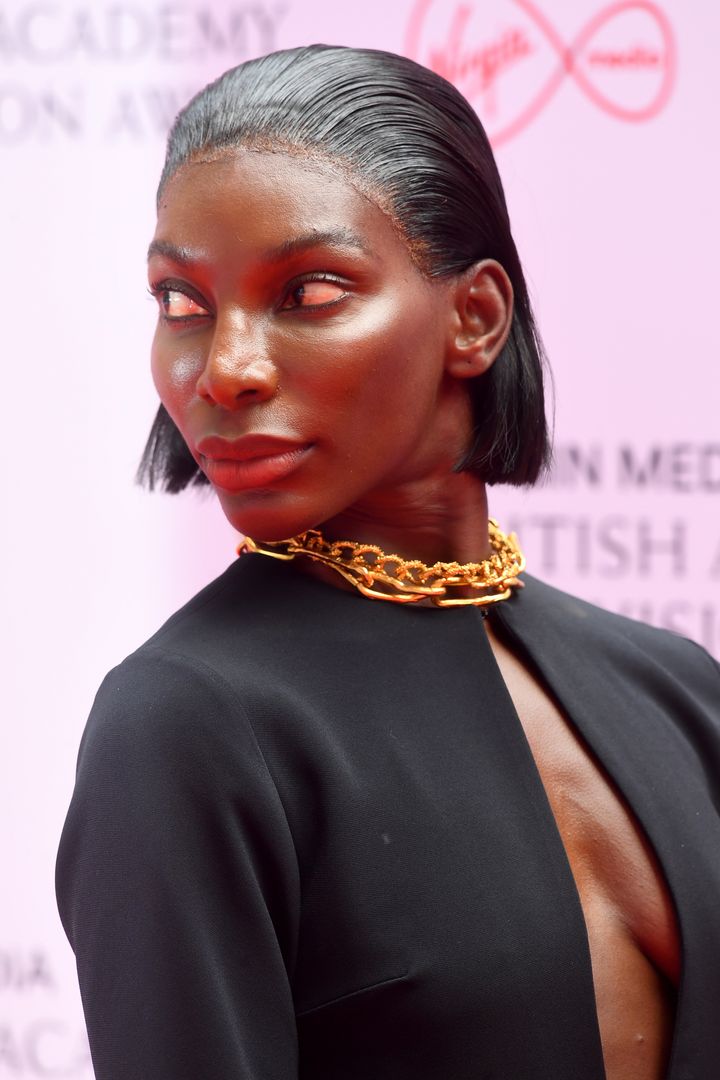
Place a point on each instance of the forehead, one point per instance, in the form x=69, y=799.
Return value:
x=251, y=200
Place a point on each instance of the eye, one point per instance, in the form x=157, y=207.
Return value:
x=175, y=305
x=314, y=293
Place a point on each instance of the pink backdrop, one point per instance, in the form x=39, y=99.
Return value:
x=605, y=121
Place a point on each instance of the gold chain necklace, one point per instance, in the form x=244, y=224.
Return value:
x=407, y=581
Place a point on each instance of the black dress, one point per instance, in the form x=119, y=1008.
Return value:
x=308, y=839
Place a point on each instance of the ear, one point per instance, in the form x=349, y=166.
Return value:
x=481, y=319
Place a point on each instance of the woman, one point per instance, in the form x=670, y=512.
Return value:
x=331, y=822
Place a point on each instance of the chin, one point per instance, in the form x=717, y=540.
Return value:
x=267, y=515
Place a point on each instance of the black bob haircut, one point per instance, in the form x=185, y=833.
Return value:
x=412, y=141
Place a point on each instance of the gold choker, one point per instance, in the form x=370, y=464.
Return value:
x=407, y=581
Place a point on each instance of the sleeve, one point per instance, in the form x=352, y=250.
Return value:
x=177, y=883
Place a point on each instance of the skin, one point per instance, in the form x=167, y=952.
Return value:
x=632, y=928
x=342, y=345
x=393, y=346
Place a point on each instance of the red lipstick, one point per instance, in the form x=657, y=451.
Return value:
x=252, y=461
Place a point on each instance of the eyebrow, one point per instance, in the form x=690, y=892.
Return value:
x=295, y=245
x=341, y=237
x=181, y=255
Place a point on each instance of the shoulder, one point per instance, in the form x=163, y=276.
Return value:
x=611, y=642
x=165, y=727
x=155, y=686
x=179, y=701
x=173, y=803
x=197, y=681
x=184, y=664
x=638, y=689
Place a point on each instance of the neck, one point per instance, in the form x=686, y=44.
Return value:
x=392, y=569
x=443, y=521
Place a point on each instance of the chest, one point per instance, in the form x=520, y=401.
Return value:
x=614, y=866
x=442, y=844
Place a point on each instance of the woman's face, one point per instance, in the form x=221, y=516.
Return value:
x=299, y=350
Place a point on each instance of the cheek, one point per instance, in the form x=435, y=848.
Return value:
x=175, y=372
x=385, y=352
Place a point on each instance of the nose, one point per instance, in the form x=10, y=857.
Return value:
x=237, y=369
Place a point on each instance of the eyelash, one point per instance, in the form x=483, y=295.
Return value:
x=156, y=289
x=311, y=277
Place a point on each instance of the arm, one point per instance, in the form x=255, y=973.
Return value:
x=177, y=883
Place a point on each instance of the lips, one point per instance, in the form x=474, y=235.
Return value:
x=252, y=461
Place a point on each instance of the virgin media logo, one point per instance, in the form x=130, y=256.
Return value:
x=509, y=59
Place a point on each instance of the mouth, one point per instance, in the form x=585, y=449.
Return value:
x=251, y=462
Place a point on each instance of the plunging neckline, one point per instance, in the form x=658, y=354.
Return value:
x=577, y=720
x=645, y=708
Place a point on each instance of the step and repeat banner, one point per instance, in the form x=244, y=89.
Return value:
x=604, y=120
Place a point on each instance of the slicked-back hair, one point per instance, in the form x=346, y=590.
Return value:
x=408, y=137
